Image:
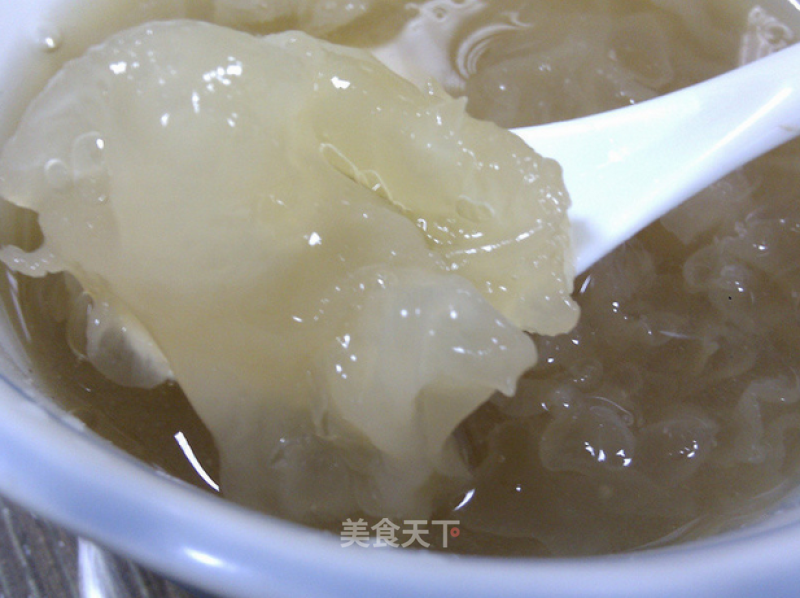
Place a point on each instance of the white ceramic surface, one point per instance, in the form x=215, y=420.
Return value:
x=51, y=465
x=626, y=168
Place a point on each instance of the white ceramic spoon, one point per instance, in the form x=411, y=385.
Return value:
x=626, y=168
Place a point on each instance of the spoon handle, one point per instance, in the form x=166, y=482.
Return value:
x=628, y=167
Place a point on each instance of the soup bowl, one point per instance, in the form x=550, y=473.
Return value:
x=51, y=463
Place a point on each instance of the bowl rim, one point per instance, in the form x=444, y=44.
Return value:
x=82, y=482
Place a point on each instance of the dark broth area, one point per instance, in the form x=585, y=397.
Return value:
x=157, y=426
x=673, y=410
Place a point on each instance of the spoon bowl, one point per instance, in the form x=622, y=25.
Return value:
x=626, y=168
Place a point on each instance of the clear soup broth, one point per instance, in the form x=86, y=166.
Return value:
x=671, y=412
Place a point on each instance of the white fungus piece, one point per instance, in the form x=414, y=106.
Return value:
x=303, y=241
x=314, y=16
